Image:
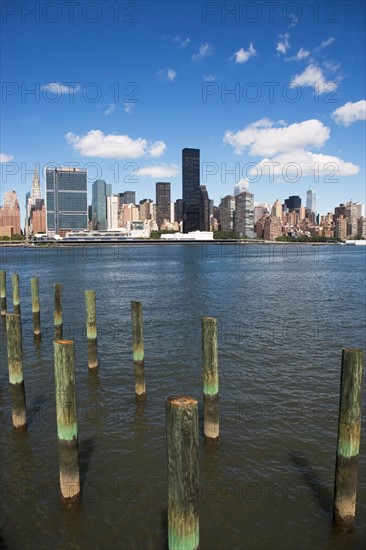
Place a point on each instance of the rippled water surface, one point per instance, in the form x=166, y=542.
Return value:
x=284, y=314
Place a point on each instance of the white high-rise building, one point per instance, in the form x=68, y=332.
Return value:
x=241, y=186
x=112, y=212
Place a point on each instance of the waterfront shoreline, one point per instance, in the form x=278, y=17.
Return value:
x=60, y=244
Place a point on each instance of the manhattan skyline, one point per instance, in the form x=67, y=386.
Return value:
x=264, y=91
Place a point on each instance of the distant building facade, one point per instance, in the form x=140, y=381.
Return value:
x=10, y=214
x=244, y=214
x=66, y=200
x=227, y=213
x=162, y=202
x=191, y=189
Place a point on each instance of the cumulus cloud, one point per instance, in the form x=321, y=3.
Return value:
x=262, y=138
x=286, y=149
x=58, y=88
x=167, y=74
x=305, y=163
x=111, y=108
x=159, y=171
x=301, y=54
x=128, y=107
x=283, y=45
x=5, y=158
x=350, y=112
x=242, y=56
x=97, y=144
x=203, y=51
x=313, y=77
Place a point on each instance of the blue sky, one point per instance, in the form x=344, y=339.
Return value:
x=272, y=93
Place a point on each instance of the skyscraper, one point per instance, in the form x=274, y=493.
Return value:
x=162, y=202
x=293, y=203
x=10, y=213
x=191, y=189
x=99, y=205
x=244, y=214
x=66, y=199
x=204, y=209
x=311, y=201
x=127, y=197
x=227, y=213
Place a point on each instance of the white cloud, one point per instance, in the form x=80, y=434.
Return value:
x=302, y=54
x=171, y=74
x=286, y=149
x=183, y=42
x=327, y=42
x=283, y=45
x=128, y=107
x=97, y=144
x=167, y=74
x=262, y=138
x=159, y=171
x=242, y=56
x=350, y=112
x=305, y=163
x=5, y=158
x=208, y=77
x=203, y=51
x=111, y=108
x=58, y=88
x=313, y=77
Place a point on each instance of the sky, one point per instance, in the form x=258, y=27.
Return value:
x=270, y=92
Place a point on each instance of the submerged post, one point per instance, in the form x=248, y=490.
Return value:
x=67, y=430
x=182, y=454
x=3, y=292
x=91, y=328
x=138, y=350
x=58, y=311
x=210, y=378
x=15, y=366
x=35, y=307
x=16, y=294
x=348, y=443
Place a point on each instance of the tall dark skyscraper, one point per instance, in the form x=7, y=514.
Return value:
x=66, y=199
x=127, y=197
x=162, y=202
x=191, y=189
x=293, y=203
x=204, y=209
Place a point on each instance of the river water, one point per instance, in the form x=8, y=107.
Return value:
x=284, y=314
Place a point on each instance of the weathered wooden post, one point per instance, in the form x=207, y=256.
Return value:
x=210, y=379
x=3, y=292
x=16, y=294
x=182, y=451
x=58, y=311
x=348, y=443
x=15, y=366
x=67, y=430
x=91, y=328
x=35, y=307
x=138, y=350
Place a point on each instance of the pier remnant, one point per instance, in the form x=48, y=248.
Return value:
x=16, y=293
x=3, y=292
x=36, y=312
x=348, y=441
x=210, y=379
x=183, y=476
x=138, y=350
x=15, y=367
x=57, y=311
x=67, y=430
x=91, y=328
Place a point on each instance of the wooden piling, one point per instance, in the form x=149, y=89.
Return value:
x=182, y=454
x=3, y=292
x=58, y=311
x=138, y=350
x=91, y=328
x=35, y=307
x=67, y=430
x=348, y=442
x=16, y=293
x=210, y=379
x=15, y=367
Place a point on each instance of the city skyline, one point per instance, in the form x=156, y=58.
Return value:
x=278, y=94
